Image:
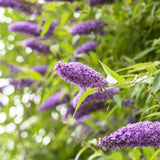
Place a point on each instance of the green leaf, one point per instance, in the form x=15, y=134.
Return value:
x=80, y=152
x=144, y=52
x=150, y=108
x=117, y=99
x=156, y=84
x=136, y=154
x=153, y=114
x=96, y=154
x=116, y=156
x=84, y=95
x=115, y=75
x=46, y=26
x=33, y=74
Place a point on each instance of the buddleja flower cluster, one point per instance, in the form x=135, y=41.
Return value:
x=23, y=6
x=141, y=134
x=79, y=74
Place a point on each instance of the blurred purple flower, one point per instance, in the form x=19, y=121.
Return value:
x=79, y=74
x=53, y=101
x=22, y=6
x=14, y=70
x=87, y=47
x=81, y=120
x=25, y=27
x=88, y=27
x=20, y=83
x=29, y=28
x=89, y=109
x=36, y=46
x=69, y=111
x=141, y=134
x=97, y=2
x=42, y=69
x=99, y=96
x=60, y=0
x=128, y=102
x=1, y=104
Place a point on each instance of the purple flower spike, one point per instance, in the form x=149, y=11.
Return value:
x=53, y=101
x=87, y=47
x=79, y=74
x=60, y=0
x=99, y=96
x=40, y=69
x=141, y=134
x=25, y=28
x=22, y=6
x=97, y=2
x=36, y=46
x=8, y=3
x=88, y=27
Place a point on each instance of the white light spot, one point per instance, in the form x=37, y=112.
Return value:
x=8, y=90
x=2, y=46
x=12, y=112
x=28, y=50
x=10, y=128
x=76, y=14
x=42, y=132
x=2, y=11
x=19, y=110
x=54, y=115
x=39, y=138
x=4, y=99
x=26, y=98
x=11, y=38
x=46, y=140
x=19, y=59
x=3, y=117
x=10, y=47
x=18, y=120
x=2, y=129
x=3, y=82
x=10, y=145
x=24, y=134
x=37, y=99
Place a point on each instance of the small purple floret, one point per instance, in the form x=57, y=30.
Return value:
x=141, y=134
x=80, y=74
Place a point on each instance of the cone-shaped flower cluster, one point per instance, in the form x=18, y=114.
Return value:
x=25, y=28
x=88, y=27
x=60, y=0
x=54, y=100
x=36, y=46
x=97, y=2
x=87, y=47
x=79, y=74
x=23, y=6
x=99, y=96
x=141, y=134
x=32, y=29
